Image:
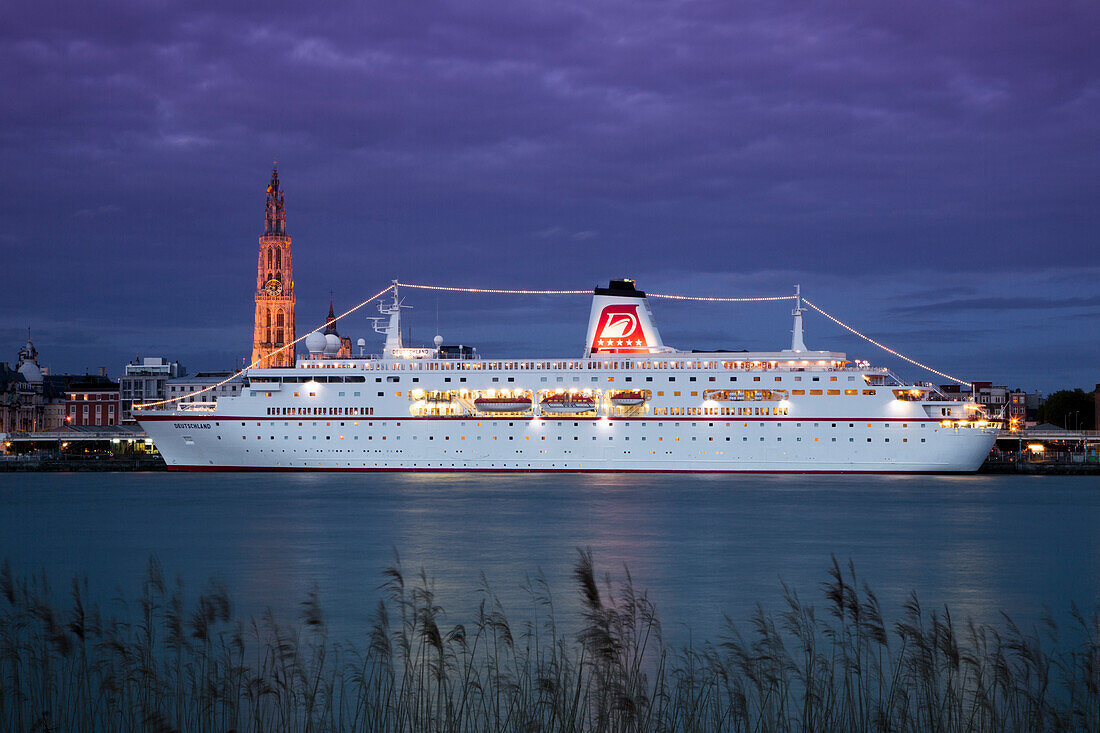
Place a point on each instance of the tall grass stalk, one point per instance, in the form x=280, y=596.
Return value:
x=163, y=662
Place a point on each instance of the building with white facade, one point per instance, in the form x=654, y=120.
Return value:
x=146, y=380
x=189, y=389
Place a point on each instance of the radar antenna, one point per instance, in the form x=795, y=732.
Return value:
x=391, y=318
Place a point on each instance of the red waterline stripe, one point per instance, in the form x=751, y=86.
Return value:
x=259, y=469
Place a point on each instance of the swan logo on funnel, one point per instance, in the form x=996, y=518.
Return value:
x=619, y=329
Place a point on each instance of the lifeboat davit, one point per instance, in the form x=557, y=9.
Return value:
x=567, y=404
x=502, y=404
x=628, y=398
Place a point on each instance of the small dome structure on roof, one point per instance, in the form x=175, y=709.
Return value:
x=31, y=371
x=332, y=344
x=315, y=343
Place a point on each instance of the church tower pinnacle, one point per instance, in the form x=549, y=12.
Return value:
x=275, y=215
x=330, y=322
x=274, y=325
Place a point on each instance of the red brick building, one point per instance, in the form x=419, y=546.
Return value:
x=92, y=401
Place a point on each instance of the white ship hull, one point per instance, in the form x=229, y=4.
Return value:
x=719, y=445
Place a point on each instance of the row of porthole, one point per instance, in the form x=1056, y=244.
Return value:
x=609, y=425
x=337, y=450
x=610, y=438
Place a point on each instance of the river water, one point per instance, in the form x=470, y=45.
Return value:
x=702, y=546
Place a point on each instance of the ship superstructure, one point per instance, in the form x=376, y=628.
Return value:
x=630, y=403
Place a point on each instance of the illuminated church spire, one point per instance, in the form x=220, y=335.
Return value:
x=274, y=324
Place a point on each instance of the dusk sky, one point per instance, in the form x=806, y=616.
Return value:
x=929, y=172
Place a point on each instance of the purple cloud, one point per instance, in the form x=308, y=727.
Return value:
x=679, y=142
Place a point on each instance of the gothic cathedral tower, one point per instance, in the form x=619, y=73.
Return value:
x=274, y=286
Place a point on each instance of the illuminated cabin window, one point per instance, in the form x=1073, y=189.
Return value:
x=869, y=391
x=815, y=391
x=798, y=391
x=833, y=391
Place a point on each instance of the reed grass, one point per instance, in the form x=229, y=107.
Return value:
x=164, y=662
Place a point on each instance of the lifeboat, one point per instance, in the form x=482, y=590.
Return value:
x=567, y=404
x=627, y=398
x=502, y=404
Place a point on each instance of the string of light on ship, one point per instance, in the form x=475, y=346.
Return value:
x=501, y=291
x=497, y=291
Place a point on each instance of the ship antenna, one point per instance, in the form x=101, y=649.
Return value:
x=797, y=344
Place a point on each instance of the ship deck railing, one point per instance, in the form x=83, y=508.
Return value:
x=477, y=362
x=585, y=365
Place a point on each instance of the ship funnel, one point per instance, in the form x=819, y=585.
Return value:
x=621, y=322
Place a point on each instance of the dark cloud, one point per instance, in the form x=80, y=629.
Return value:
x=999, y=304
x=694, y=145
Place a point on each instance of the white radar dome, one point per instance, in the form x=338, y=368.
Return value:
x=438, y=341
x=332, y=344
x=361, y=343
x=315, y=342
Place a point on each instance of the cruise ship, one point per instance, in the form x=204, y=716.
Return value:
x=629, y=403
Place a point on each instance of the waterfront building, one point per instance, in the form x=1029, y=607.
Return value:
x=993, y=396
x=20, y=402
x=33, y=400
x=22, y=392
x=146, y=380
x=53, y=413
x=274, y=320
x=91, y=400
x=983, y=393
x=1017, y=410
x=1020, y=409
x=189, y=389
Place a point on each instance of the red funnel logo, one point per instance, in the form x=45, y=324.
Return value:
x=619, y=330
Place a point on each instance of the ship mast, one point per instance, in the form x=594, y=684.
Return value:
x=797, y=344
x=392, y=329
